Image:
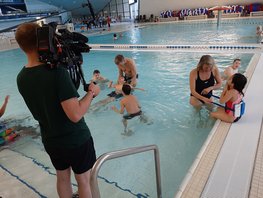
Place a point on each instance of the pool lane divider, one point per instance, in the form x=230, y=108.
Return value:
x=235, y=48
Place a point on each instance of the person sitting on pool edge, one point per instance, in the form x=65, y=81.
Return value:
x=231, y=95
x=131, y=105
x=203, y=80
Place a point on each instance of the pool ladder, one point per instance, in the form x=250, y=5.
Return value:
x=121, y=153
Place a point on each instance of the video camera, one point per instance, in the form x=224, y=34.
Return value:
x=60, y=47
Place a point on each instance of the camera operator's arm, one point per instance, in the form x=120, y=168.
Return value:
x=75, y=109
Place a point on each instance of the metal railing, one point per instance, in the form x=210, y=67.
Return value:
x=121, y=153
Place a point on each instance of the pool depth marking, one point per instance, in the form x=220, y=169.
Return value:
x=22, y=181
x=46, y=169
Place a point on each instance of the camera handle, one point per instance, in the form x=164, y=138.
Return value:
x=83, y=81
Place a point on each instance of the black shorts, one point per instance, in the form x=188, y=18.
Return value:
x=130, y=116
x=115, y=95
x=80, y=159
x=128, y=79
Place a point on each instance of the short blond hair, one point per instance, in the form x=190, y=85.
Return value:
x=26, y=36
x=118, y=59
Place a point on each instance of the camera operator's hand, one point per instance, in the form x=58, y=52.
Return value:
x=95, y=89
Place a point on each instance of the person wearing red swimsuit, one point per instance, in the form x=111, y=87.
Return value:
x=231, y=95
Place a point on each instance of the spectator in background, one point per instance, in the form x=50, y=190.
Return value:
x=231, y=96
x=101, y=21
x=108, y=22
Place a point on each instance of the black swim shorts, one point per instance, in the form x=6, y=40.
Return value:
x=80, y=159
x=130, y=116
x=128, y=79
x=115, y=95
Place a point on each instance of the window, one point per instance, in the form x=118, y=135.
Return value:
x=132, y=1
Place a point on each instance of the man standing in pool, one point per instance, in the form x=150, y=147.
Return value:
x=127, y=69
x=203, y=80
x=52, y=98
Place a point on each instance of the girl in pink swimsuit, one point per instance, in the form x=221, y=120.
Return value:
x=232, y=94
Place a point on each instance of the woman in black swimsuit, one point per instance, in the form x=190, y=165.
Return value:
x=203, y=80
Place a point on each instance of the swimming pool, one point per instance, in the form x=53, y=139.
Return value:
x=194, y=32
x=175, y=127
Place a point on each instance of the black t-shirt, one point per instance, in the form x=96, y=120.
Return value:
x=43, y=89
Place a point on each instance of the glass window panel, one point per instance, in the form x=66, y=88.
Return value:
x=127, y=14
x=126, y=8
x=113, y=3
x=120, y=8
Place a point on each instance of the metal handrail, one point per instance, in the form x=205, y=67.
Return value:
x=121, y=153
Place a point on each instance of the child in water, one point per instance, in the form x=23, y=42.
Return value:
x=99, y=80
x=118, y=87
x=114, y=95
x=131, y=105
x=231, y=95
x=97, y=77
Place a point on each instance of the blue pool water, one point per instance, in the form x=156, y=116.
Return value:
x=174, y=126
x=230, y=31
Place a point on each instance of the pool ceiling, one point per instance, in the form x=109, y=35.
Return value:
x=68, y=5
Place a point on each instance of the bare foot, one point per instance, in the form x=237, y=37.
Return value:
x=127, y=132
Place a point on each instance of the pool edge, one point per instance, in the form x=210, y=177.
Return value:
x=198, y=174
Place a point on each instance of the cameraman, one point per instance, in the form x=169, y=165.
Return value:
x=52, y=98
